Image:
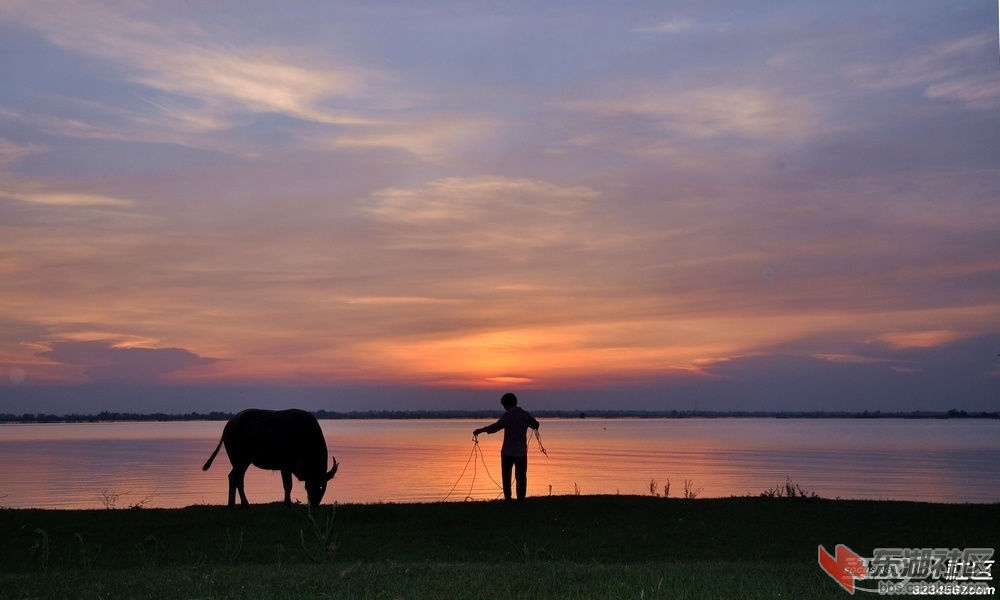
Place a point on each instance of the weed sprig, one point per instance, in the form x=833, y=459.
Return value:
x=326, y=542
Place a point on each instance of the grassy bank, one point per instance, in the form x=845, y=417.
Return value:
x=554, y=547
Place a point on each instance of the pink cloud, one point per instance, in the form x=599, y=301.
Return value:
x=101, y=361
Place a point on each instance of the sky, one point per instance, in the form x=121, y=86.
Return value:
x=669, y=205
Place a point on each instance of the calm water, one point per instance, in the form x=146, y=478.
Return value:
x=74, y=465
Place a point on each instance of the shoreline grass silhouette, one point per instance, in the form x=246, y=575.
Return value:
x=578, y=546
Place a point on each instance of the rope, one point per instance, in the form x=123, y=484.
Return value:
x=538, y=438
x=475, y=450
x=483, y=460
x=475, y=444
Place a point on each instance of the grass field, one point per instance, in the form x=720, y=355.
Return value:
x=549, y=547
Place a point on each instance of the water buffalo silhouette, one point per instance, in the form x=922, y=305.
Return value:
x=289, y=441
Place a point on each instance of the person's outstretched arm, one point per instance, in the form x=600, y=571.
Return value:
x=495, y=427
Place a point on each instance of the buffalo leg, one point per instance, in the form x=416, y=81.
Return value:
x=286, y=481
x=236, y=484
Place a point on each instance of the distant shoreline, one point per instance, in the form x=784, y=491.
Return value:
x=104, y=417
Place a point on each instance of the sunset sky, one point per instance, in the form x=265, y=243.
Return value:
x=656, y=205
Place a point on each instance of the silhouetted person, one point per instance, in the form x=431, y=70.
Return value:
x=514, y=452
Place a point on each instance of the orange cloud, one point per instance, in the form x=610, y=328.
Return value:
x=919, y=339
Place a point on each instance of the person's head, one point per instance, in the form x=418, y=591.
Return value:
x=508, y=400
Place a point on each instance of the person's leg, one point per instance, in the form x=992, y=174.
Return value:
x=506, y=464
x=521, y=473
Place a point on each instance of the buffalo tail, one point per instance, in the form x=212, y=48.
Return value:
x=211, y=458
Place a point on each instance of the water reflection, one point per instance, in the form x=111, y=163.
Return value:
x=159, y=464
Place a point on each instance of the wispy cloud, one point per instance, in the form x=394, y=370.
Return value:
x=486, y=212
x=703, y=113
x=191, y=83
x=63, y=198
x=668, y=26
x=980, y=92
x=946, y=71
x=432, y=138
x=241, y=81
x=11, y=152
x=919, y=339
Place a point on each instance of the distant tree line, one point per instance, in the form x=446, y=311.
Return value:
x=106, y=416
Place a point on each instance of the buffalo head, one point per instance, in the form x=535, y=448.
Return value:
x=315, y=488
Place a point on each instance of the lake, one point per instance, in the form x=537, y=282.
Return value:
x=158, y=465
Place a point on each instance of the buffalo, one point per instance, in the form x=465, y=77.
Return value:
x=289, y=441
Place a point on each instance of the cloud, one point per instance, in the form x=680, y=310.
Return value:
x=432, y=137
x=11, y=152
x=219, y=88
x=918, y=339
x=184, y=81
x=247, y=80
x=56, y=198
x=100, y=361
x=478, y=199
x=495, y=213
x=947, y=71
x=882, y=377
x=941, y=61
x=701, y=113
x=980, y=92
x=668, y=26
